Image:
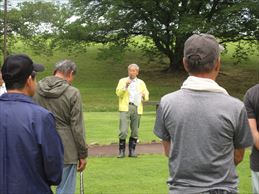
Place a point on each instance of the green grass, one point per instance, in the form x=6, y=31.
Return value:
x=244, y=174
x=147, y=174
x=144, y=175
x=102, y=127
x=97, y=79
x=251, y=63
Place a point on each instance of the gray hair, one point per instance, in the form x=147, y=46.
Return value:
x=133, y=66
x=65, y=66
x=195, y=66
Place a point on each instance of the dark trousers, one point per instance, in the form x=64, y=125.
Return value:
x=217, y=191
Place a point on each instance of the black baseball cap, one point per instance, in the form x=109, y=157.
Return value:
x=19, y=67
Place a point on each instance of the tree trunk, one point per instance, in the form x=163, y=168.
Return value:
x=176, y=57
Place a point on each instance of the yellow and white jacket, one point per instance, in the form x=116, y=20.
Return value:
x=123, y=94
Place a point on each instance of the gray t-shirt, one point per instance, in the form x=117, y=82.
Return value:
x=251, y=101
x=204, y=128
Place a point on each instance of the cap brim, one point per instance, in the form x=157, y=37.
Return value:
x=38, y=67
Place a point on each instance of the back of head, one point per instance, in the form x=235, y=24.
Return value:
x=65, y=67
x=201, y=52
x=17, y=69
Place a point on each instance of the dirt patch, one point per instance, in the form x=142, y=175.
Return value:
x=112, y=150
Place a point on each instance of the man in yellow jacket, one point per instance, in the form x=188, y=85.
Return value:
x=131, y=92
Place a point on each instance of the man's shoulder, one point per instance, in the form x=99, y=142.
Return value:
x=253, y=90
x=73, y=94
x=72, y=89
x=232, y=100
x=140, y=80
x=40, y=110
x=220, y=97
x=33, y=110
x=226, y=102
x=123, y=79
x=172, y=95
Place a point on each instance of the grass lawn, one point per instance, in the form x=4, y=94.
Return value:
x=102, y=127
x=97, y=79
x=244, y=174
x=144, y=175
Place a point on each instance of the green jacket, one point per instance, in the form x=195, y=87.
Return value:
x=64, y=101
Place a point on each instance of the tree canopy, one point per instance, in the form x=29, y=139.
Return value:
x=35, y=24
x=163, y=24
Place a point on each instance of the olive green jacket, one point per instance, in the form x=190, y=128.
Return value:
x=64, y=101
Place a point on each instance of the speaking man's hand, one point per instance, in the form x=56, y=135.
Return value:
x=128, y=83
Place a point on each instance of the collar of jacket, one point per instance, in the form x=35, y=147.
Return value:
x=16, y=97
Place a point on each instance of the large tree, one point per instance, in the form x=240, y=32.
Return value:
x=163, y=24
x=35, y=24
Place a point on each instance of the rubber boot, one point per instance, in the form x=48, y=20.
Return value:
x=132, y=147
x=122, y=148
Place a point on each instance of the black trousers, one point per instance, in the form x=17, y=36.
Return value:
x=217, y=191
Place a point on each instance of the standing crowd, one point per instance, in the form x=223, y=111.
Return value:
x=204, y=130
x=42, y=134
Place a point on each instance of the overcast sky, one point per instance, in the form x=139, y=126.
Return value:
x=13, y=3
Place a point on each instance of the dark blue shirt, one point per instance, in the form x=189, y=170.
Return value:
x=31, y=151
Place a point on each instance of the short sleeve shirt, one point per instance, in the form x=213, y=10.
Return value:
x=251, y=101
x=204, y=128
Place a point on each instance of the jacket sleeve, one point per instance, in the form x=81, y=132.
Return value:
x=77, y=125
x=121, y=88
x=52, y=151
x=145, y=91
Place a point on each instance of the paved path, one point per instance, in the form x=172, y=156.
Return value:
x=112, y=150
